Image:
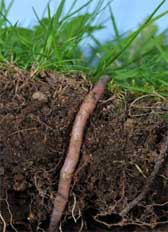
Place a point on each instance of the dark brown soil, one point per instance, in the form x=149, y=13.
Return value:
x=122, y=142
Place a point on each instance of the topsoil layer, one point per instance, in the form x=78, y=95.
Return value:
x=122, y=141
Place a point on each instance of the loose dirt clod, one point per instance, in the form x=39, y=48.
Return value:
x=72, y=157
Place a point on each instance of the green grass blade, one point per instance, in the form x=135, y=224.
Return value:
x=110, y=60
x=59, y=12
x=116, y=31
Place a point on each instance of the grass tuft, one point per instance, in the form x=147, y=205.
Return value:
x=136, y=61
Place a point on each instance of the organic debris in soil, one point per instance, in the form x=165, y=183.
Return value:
x=121, y=144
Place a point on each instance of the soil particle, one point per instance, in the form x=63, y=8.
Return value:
x=121, y=143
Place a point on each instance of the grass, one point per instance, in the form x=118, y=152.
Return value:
x=136, y=61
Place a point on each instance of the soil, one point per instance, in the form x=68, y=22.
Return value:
x=121, y=144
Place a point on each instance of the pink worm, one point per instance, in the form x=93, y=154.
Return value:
x=72, y=157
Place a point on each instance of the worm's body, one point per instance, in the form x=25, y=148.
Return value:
x=72, y=157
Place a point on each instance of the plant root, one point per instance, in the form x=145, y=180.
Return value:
x=158, y=164
x=72, y=157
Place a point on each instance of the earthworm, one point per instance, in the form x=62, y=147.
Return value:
x=73, y=154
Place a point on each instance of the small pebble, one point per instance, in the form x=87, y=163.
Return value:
x=39, y=96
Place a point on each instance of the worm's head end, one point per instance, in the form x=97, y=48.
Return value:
x=104, y=79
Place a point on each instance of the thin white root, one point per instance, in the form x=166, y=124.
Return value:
x=73, y=208
x=4, y=223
